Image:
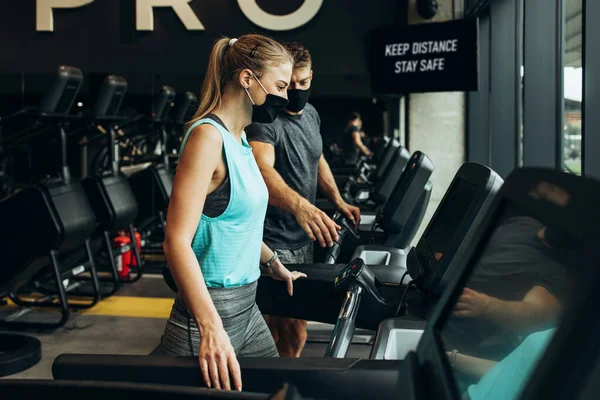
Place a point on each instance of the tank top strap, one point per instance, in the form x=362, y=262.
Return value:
x=226, y=136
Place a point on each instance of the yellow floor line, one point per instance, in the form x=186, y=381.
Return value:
x=123, y=306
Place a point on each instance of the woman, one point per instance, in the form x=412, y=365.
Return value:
x=506, y=379
x=352, y=139
x=215, y=220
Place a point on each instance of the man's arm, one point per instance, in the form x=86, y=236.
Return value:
x=280, y=194
x=314, y=221
x=538, y=310
x=327, y=184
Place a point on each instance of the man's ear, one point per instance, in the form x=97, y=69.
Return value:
x=311, y=74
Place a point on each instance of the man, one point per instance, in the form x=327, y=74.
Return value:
x=289, y=153
x=353, y=140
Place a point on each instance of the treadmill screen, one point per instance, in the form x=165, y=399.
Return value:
x=453, y=210
x=491, y=348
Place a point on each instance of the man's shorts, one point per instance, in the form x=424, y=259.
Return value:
x=303, y=255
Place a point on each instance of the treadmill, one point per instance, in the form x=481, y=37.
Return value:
x=370, y=197
x=381, y=191
x=455, y=219
x=185, y=106
x=109, y=191
x=413, y=180
x=559, y=201
x=468, y=197
x=397, y=222
x=460, y=226
x=364, y=174
x=367, y=177
x=58, y=206
x=152, y=185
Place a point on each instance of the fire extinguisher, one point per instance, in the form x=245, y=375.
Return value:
x=138, y=241
x=127, y=259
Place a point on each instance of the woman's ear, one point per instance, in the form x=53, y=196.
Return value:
x=245, y=77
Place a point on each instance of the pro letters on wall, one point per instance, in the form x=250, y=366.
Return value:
x=173, y=38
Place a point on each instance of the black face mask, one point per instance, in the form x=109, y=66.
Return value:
x=267, y=112
x=297, y=99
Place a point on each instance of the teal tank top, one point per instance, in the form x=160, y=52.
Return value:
x=509, y=377
x=228, y=246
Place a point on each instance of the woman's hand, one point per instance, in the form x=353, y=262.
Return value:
x=280, y=273
x=217, y=360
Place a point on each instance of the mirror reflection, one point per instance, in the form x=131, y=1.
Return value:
x=508, y=311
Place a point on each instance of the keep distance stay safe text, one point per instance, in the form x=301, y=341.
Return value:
x=419, y=48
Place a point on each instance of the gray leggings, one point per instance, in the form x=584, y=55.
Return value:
x=243, y=322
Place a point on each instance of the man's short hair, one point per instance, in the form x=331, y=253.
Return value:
x=354, y=115
x=300, y=54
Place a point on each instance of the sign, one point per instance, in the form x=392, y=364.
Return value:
x=437, y=57
x=145, y=14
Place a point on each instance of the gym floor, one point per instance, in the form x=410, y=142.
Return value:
x=131, y=322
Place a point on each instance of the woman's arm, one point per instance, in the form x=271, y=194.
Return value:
x=277, y=270
x=359, y=144
x=265, y=253
x=190, y=187
x=192, y=182
x=472, y=366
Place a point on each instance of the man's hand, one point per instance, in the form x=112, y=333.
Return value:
x=349, y=211
x=316, y=224
x=280, y=273
x=472, y=304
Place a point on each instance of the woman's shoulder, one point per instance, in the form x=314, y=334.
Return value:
x=204, y=136
x=201, y=148
x=206, y=131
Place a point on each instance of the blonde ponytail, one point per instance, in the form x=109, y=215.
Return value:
x=212, y=88
x=255, y=52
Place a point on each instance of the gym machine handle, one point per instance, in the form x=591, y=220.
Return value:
x=343, y=331
x=347, y=226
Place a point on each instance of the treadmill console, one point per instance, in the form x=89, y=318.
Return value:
x=358, y=274
x=348, y=273
x=361, y=289
x=61, y=96
x=111, y=96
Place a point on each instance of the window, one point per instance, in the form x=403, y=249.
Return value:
x=573, y=86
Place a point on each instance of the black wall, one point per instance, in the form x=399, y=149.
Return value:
x=101, y=38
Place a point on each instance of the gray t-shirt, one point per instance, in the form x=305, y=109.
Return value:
x=298, y=147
